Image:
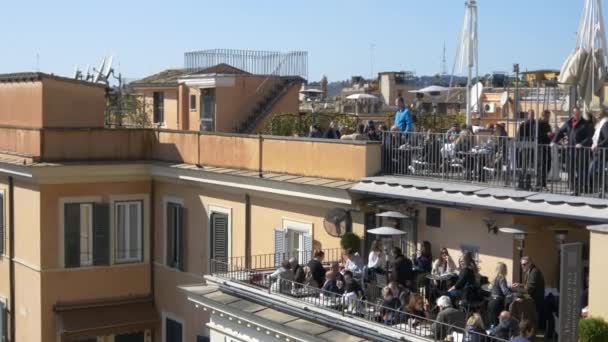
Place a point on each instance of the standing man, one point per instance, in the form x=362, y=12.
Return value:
x=579, y=133
x=544, y=153
x=316, y=268
x=403, y=118
x=402, y=270
x=534, y=285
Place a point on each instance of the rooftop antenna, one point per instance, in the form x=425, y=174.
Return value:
x=77, y=73
x=37, y=62
x=97, y=72
x=444, y=65
x=372, y=47
x=88, y=76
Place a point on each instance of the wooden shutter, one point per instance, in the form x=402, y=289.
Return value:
x=3, y=332
x=180, y=237
x=170, y=234
x=306, y=254
x=101, y=234
x=219, y=237
x=2, y=224
x=72, y=234
x=279, y=246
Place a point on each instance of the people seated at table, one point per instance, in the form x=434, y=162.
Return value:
x=533, y=285
x=526, y=332
x=330, y=286
x=390, y=307
x=316, y=268
x=474, y=330
x=335, y=268
x=444, y=264
x=500, y=293
x=299, y=276
x=466, y=286
x=282, y=278
x=506, y=328
x=401, y=269
x=400, y=292
x=309, y=279
x=464, y=142
x=423, y=264
x=353, y=262
x=447, y=317
x=417, y=307
x=375, y=260
x=352, y=285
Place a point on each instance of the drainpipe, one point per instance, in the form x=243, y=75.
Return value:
x=260, y=152
x=247, y=231
x=11, y=256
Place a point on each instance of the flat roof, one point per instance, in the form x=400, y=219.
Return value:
x=38, y=76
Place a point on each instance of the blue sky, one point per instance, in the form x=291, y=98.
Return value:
x=147, y=36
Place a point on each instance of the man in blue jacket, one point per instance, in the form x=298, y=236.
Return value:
x=403, y=118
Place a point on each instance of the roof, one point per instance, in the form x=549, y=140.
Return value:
x=484, y=197
x=539, y=71
x=38, y=76
x=97, y=320
x=170, y=77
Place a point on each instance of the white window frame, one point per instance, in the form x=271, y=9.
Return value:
x=87, y=263
x=166, y=200
x=62, y=202
x=145, y=199
x=296, y=226
x=218, y=210
x=164, y=316
x=140, y=231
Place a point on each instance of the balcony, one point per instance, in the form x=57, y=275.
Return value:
x=500, y=162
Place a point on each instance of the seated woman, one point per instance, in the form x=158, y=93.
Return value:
x=474, y=331
x=417, y=308
x=467, y=278
x=309, y=279
x=390, y=305
x=353, y=262
x=330, y=288
x=444, y=264
x=500, y=293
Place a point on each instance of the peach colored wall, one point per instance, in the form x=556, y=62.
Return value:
x=21, y=104
x=170, y=105
x=598, y=278
x=184, y=107
x=24, y=142
x=288, y=103
x=28, y=323
x=229, y=151
x=235, y=104
x=460, y=226
x=72, y=104
x=27, y=223
x=195, y=115
x=176, y=146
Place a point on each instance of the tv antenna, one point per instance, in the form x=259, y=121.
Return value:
x=444, y=65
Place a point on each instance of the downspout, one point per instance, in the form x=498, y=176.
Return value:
x=260, y=154
x=247, y=231
x=11, y=256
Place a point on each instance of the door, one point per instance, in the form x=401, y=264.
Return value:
x=132, y=337
x=207, y=113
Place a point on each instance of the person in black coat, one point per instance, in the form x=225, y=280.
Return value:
x=467, y=278
x=599, y=148
x=579, y=133
x=333, y=132
x=317, y=269
x=401, y=269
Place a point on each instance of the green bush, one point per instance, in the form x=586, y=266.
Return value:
x=593, y=330
x=352, y=241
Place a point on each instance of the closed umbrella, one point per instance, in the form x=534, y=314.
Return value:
x=387, y=231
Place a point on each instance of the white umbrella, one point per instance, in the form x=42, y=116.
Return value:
x=392, y=214
x=311, y=91
x=389, y=231
x=358, y=97
x=431, y=89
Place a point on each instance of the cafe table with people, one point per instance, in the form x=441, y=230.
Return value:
x=421, y=295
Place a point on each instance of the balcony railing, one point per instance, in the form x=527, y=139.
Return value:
x=348, y=305
x=497, y=161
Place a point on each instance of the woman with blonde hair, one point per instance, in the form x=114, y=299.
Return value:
x=474, y=331
x=500, y=293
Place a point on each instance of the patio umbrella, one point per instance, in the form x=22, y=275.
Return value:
x=585, y=67
x=358, y=97
x=392, y=214
x=387, y=231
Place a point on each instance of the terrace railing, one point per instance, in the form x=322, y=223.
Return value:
x=348, y=305
x=497, y=161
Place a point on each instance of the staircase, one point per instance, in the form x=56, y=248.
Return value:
x=264, y=106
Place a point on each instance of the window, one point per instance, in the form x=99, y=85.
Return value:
x=86, y=234
x=159, y=106
x=2, y=224
x=294, y=240
x=173, y=330
x=207, y=110
x=219, y=239
x=130, y=337
x=193, y=103
x=433, y=217
x=175, y=235
x=128, y=231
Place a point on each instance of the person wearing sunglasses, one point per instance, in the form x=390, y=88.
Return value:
x=533, y=285
x=444, y=264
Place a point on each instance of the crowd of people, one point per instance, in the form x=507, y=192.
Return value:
x=412, y=285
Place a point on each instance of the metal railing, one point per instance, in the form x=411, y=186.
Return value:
x=271, y=261
x=497, y=161
x=350, y=305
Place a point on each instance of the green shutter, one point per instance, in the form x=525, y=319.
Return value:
x=2, y=225
x=101, y=234
x=72, y=234
x=3, y=332
x=170, y=234
x=179, y=229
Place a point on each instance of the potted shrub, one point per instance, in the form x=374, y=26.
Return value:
x=352, y=241
x=593, y=330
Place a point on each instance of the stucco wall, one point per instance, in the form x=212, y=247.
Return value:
x=235, y=104
x=28, y=323
x=170, y=106
x=598, y=278
x=21, y=104
x=71, y=104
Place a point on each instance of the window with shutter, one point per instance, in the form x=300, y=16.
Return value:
x=175, y=236
x=128, y=231
x=101, y=234
x=2, y=224
x=173, y=330
x=72, y=234
x=279, y=246
x=219, y=240
x=306, y=254
x=3, y=332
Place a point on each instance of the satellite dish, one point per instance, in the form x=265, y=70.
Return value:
x=98, y=74
x=476, y=92
x=337, y=221
x=108, y=69
x=504, y=98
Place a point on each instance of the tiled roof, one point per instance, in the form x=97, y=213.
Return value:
x=169, y=77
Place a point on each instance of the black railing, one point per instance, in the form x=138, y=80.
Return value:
x=497, y=161
x=349, y=305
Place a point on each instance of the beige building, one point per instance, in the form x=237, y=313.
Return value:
x=99, y=222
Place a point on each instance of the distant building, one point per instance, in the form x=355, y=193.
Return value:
x=394, y=84
x=538, y=77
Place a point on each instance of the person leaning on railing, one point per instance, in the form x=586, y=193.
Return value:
x=282, y=278
x=598, y=147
